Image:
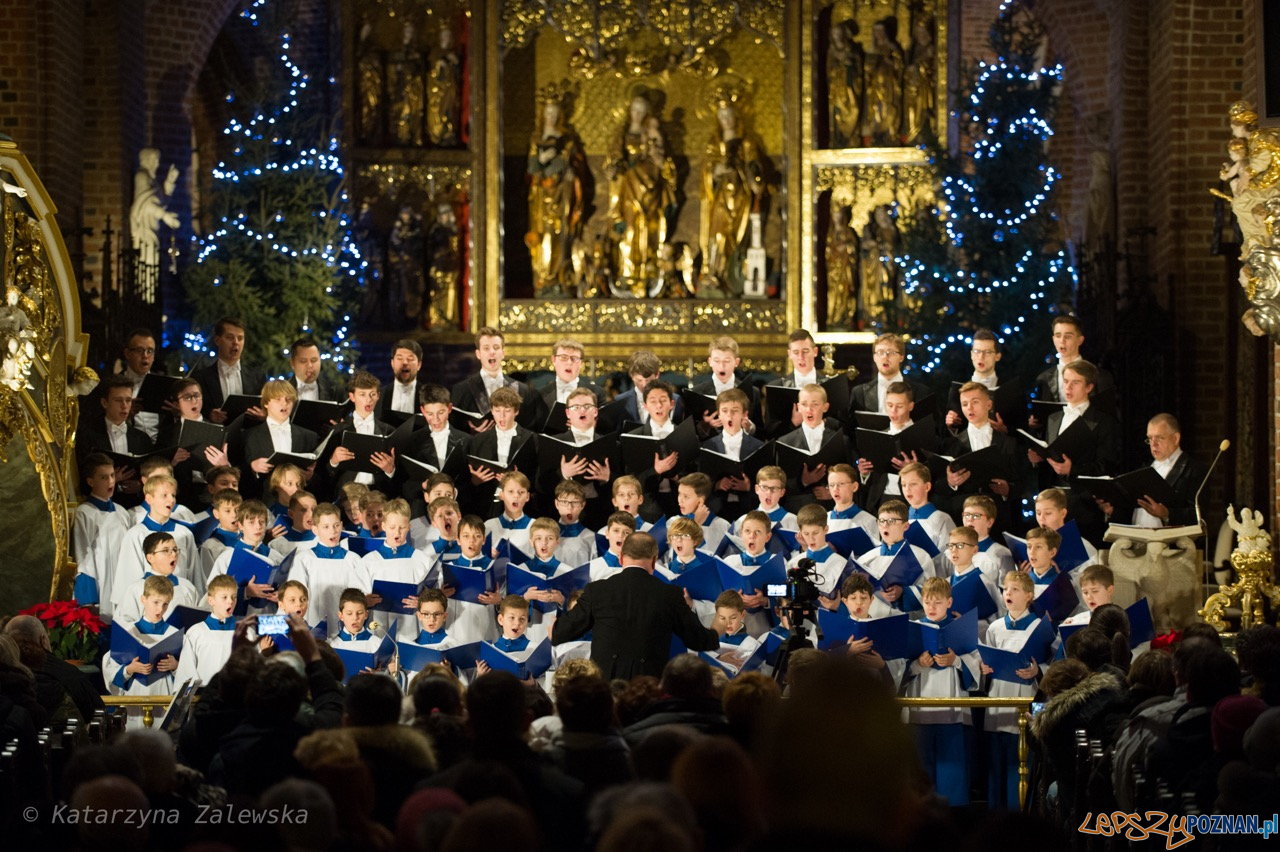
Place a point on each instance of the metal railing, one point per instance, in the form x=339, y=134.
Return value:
x=149, y=703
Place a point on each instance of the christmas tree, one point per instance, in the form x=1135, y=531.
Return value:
x=990, y=254
x=282, y=257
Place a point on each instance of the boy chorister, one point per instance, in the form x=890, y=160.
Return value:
x=299, y=535
x=148, y=630
x=607, y=564
x=512, y=524
x=808, y=484
x=327, y=568
x=1009, y=632
x=842, y=483
x=859, y=599
x=225, y=505
x=771, y=489
x=100, y=528
x=892, y=521
x=829, y=564
x=943, y=734
x=732, y=494
x=755, y=530
x=162, y=560
x=207, y=645
x=258, y=592
x=577, y=542
x=684, y=535
x=397, y=561
x=917, y=483
x=691, y=495
x=992, y=557
x=421, y=531
x=472, y=621
x=161, y=492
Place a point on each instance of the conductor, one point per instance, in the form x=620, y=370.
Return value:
x=632, y=617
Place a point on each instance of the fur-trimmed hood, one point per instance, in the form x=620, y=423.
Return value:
x=406, y=745
x=1098, y=688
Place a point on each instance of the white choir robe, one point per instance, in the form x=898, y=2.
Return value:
x=166, y=685
x=131, y=564
x=326, y=579
x=204, y=652
x=864, y=520
x=880, y=609
x=601, y=569
x=1000, y=635
x=577, y=550
x=996, y=561
x=284, y=546
x=412, y=569
x=519, y=538
x=876, y=563
x=255, y=606
x=473, y=622
x=758, y=622
x=97, y=537
x=209, y=553
x=128, y=603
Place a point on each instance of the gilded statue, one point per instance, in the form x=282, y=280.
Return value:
x=555, y=167
x=409, y=91
x=841, y=252
x=444, y=91
x=404, y=265
x=732, y=187
x=846, y=66
x=919, y=85
x=1252, y=175
x=642, y=196
x=883, y=113
x=444, y=267
x=369, y=89
x=878, y=293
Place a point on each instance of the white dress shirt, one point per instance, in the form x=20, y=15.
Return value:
x=364, y=426
x=580, y=438
x=882, y=384
x=732, y=444
x=1143, y=518
x=505, y=438
x=721, y=388
x=806, y=379
x=441, y=441
x=563, y=390
x=229, y=378
x=1072, y=413
x=990, y=381
x=402, y=397
x=119, y=436
x=662, y=431
x=308, y=390
x=147, y=421
x=491, y=382
x=980, y=436
x=281, y=436
x=813, y=436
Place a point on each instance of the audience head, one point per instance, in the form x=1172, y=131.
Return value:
x=372, y=699
x=687, y=677
x=585, y=705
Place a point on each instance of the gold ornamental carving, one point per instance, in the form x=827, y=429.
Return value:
x=627, y=315
x=1253, y=586
x=390, y=180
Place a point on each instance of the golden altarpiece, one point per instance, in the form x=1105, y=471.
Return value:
x=43, y=369
x=648, y=174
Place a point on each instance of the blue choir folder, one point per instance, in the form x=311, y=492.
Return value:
x=918, y=536
x=125, y=645
x=1017, y=547
x=415, y=657
x=280, y=574
x=773, y=571
x=968, y=591
x=470, y=583
x=1141, y=628
x=463, y=657
x=890, y=636
x=532, y=662
x=850, y=542
x=753, y=661
x=202, y=531
x=902, y=571
x=521, y=580
x=1071, y=553
x=1058, y=600
x=393, y=593
x=186, y=617
x=786, y=539
x=361, y=546
x=357, y=661
x=702, y=581
x=960, y=635
x=246, y=566
x=1036, y=646
x=508, y=552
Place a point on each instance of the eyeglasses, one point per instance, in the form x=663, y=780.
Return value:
x=982, y=352
x=570, y=359
x=680, y=537
x=167, y=550
x=771, y=489
x=889, y=522
x=884, y=353
x=1157, y=439
x=580, y=407
x=959, y=545
x=972, y=516
x=191, y=397
x=142, y=350
x=563, y=502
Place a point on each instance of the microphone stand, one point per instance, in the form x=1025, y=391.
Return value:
x=1204, y=530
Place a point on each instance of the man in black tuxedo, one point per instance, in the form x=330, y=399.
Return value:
x=473, y=392
x=277, y=433
x=633, y=615
x=227, y=376
x=112, y=433
x=1068, y=336
x=507, y=443
x=1099, y=457
x=439, y=445
x=566, y=359
x=723, y=359
x=644, y=368
x=1182, y=472
x=307, y=380
x=978, y=433
x=328, y=479
x=889, y=352
x=401, y=393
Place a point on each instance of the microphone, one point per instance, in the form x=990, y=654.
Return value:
x=1222, y=448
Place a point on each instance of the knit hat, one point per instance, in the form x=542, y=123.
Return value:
x=1232, y=717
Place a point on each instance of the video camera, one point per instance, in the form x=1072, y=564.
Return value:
x=801, y=588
